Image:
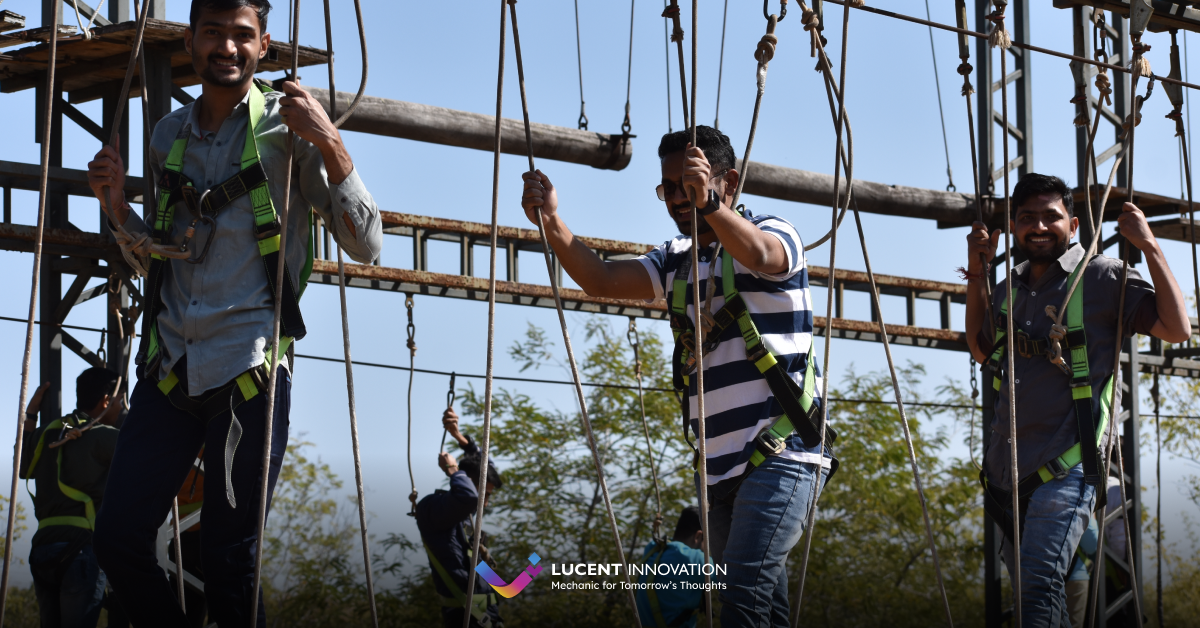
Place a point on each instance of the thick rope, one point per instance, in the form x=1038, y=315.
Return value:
x=763, y=54
x=635, y=343
x=810, y=22
x=677, y=34
x=667, y=50
x=86, y=31
x=998, y=38
x=583, y=121
x=1177, y=101
x=701, y=436
x=562, y=321
x=937, y=83
x=350, y=397
x=721, y=74
x=1158, y=533
x=272, y=380
x=412, y=356
x=47, y=126
x=626, y=125
x=486, y=441
x=178, y=555
x=362, y=85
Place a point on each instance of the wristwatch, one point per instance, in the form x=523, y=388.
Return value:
x=714, y=203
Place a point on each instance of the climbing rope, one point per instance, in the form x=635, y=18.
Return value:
x=937, y=82
x=763, y=54
x=86, y=31
x=971, y=429
x=964, y=70
x=562, y=321
x=721, y=70
x=701, y=437
x=33, y=293
x=273, y=348
x=1176, y=96
x=485, y=445
x=583, y=121
x=626, y=125
x=667, y=50
x=412, y=355
x=677, y=34
x=350, y=396
x=998, y=37
x=1158, y=533
x=635, y=343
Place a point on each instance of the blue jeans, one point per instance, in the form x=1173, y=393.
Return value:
x=155, y=450
x=1058, y=514
x=69, y=595
x=752, y=530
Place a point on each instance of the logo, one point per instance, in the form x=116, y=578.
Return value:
x=518, y=585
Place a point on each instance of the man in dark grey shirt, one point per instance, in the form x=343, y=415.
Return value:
x=210, y=249
x=1056, y=494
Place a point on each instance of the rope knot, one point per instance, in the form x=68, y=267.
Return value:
x=677, y=34
x=1104, y=87
x=766, y=49
x=965, y=68
x=998, y=36
x=856, y=4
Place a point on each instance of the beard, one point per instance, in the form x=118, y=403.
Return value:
x=1046, y=255
x=685, y=226
x=247, y=68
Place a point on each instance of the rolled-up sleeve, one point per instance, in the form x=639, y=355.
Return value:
x=335, y=203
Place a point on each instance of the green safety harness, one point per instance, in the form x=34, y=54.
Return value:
x=174, y=187
x=88, y=521
x=800, y=411
x=479, y=601
x=997, y=500
x=652, y=595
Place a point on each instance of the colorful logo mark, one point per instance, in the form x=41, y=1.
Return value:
x=518, y=585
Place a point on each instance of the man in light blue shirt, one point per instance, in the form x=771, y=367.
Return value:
x=673, y=599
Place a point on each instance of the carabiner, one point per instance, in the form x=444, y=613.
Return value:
x=782, y=10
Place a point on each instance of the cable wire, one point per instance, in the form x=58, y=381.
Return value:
x=635, y=343
x=626, y=125
x=721, y=73
x=667, y=49
x=937, y=82
x=583, y=121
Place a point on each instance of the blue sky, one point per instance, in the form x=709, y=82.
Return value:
x=445, y=54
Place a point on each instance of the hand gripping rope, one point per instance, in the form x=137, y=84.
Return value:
x=37, y=269
x=350, y=397
x=485, y=445
x=449, y=406
x=635, y=343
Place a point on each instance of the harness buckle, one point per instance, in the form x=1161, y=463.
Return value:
x=1056, y=468
x=768, y=443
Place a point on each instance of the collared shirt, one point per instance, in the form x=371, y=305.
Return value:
x=738, y=401
x=220, y=312
x=1046, y=424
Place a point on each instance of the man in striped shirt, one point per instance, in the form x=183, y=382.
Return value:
x=757, y=512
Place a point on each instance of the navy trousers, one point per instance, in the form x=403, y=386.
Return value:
x=156, y=448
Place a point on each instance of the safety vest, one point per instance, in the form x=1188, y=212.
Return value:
x=800, y=411
x=479, y=601
x=1089, y=430
x=174, y=186
x=88, y=521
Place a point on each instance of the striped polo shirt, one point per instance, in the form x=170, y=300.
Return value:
x=738, y=403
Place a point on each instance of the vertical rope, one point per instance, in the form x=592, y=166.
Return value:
x=273, y=349
x=178, y=554
x=937, y=82
x=837, y=182
x=350, y=397
x=1158, y=533
x=667, y=50
x=763, y=53
x=626, y=125
x=562, y=321
x=701, y=436
x=721, y=74
x=965, y=69
x=485, y=445
x=677, y=35
x=412, y=356
x=635, y=343
x=583, y=121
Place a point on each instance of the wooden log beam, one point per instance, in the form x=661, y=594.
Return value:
x=950, y=209
x=438, y=125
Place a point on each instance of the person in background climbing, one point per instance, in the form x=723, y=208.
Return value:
x=442, y=518
x=1061, y=438
x=69, y=460
x=665, y=602
x=764, y=459
x=221, y=167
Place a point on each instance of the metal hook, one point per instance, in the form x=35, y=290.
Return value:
x=782, y=10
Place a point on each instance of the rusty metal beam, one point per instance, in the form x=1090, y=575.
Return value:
x=426, y=123
x=21, y=176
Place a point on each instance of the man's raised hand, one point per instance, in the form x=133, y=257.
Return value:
x=981, y=246
x=1132, y=224
x=306, y=118
x=539, y=192
x=447, y=463
x=107, y=170
x=696, y=173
